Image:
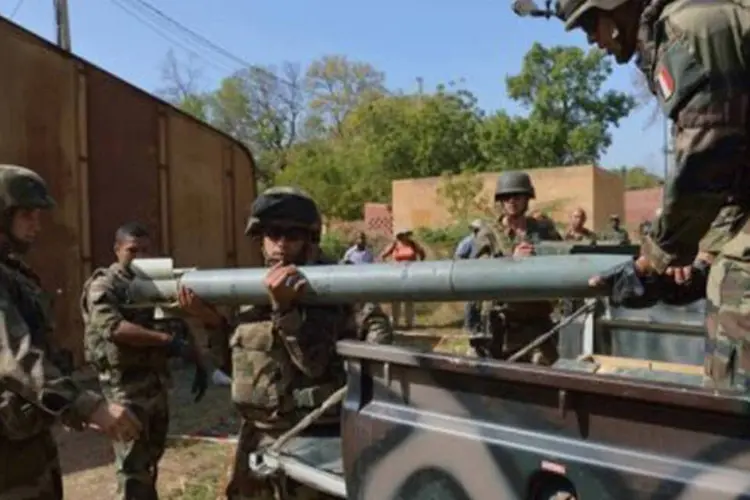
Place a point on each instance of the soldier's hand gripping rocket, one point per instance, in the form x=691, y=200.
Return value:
x=285, y=285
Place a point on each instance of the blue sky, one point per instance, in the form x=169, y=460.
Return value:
x=479, y=41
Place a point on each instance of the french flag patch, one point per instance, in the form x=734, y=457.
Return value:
x=665, y=83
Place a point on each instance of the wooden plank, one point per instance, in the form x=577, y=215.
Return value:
x=608, y=364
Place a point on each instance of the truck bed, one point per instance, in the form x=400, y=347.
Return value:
x=424, y=425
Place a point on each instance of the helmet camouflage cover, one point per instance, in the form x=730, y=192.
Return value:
x=23, y=188
x=283, y=204
x=514, y=182
x=573, y=11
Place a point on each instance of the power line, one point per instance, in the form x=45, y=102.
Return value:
x=163, y=33
x=15, y=9
x=157, y=15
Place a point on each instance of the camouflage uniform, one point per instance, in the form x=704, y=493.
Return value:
x=33, y=391
x=136, y=377
x=514, y=325
x=580, y=235
x=695, y=57
x=616, y=234
x=284, y=364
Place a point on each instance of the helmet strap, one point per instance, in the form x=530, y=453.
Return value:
x=12, y=244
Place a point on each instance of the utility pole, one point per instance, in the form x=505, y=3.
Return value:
x=668, y=154
x=63, y=24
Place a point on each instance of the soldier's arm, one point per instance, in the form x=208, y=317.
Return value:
x=485, y=245
x=26, y=370
x=387, y=251
x=708, y=99
x=309, y=333
x=105, y=315
x=374, y=325
x=421, y=254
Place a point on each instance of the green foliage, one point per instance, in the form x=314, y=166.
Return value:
x=569, y=113
x=336, y=129
x=640, y=178
x=461, y=195
x=442, y=238
x=334, y=244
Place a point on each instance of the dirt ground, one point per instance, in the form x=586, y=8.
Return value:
x=194, y=468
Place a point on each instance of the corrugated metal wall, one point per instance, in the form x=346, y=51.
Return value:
x=111, y=154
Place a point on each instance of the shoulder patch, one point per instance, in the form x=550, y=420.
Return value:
x=665, y=82
x=678, y=76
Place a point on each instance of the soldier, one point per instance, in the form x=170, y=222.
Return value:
x=695, y=58
x=512, y=326
x=616, y=234
x=293, y=341
x=33, y=391
x=371, y=323
x=577, y=230
x=130, y=355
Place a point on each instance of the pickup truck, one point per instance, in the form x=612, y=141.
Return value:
x=622, y=415
x=422, y=425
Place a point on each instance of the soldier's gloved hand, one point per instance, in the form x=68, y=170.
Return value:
x=627, y=288
x=690, y=290
x=179, y=348
x=200, y=382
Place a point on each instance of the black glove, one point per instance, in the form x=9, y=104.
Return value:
x=631, y=291
x=627, y=289
x=686, y=293
x=200, y=383
x=178, y=348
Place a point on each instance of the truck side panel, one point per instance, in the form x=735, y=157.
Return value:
x=419, y=425
x=112, y=153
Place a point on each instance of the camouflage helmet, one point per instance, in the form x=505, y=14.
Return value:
x=23, y=188
x=514, y=182
x=571, y=11
x=284, y=204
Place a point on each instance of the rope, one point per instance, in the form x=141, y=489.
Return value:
x=543, y=337
x=308, y=420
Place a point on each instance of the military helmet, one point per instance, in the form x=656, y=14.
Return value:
x=284, y=204
x=21, y=187
x=514, y=182
x=571, y=11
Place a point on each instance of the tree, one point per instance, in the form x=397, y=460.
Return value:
x=462, y=196
x=569, y=113
x=337, y=174
x=263, y=107
x=640, y=178
x=336, y=86
x=182, y=88
x=420, y=135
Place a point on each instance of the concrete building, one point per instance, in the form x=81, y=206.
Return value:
x=415, y=202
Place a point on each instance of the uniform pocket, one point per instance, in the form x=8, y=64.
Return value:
x=261, y=372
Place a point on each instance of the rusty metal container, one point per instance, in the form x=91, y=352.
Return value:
x=113, y=153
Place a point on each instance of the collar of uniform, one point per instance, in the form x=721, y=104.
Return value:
x=121, y=270
x=531, y=224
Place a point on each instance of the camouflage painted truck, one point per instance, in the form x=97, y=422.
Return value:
x=606, y=422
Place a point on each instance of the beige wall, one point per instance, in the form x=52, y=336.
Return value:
x=415, y=202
